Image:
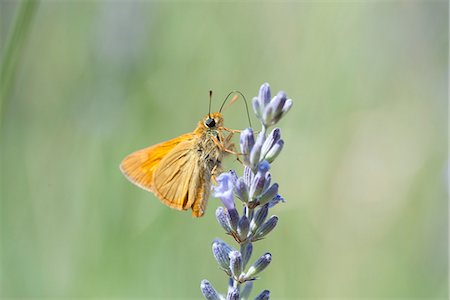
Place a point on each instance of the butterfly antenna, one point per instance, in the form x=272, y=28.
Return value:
x=210, y=100
x=245, y=100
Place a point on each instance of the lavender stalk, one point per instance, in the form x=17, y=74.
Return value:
x=258, y=195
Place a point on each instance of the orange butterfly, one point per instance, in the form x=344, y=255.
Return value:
x=179, y=171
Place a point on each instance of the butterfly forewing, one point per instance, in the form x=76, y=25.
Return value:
x=139, y=166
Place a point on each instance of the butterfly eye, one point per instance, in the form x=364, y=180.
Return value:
x=210, y=122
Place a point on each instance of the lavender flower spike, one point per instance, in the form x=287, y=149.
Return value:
x=257, y=193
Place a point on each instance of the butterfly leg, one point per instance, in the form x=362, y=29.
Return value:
x=214, y=174
x=227, y=145
x=231, y=130
x=230, y=147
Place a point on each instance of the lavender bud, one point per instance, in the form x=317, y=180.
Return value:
x=208, y=291
x=221, y=251
x=233, y=294
x=259, y=218
x=277, y=108
x=269, y=194
x=241, y=190
x=246, y=251
x=259, y=181
x=222, y=218
x=235, y=263
x=255, y=154
x=276, y=200
x=287, y=106
x=243, y=228
x=247, y=141
x=271, y=140
x=264, y=94
x=274, y=110
x=247, y=289
x=257, y=107
x=279, y=102
x=248, y=176
x=268, y=178
x=274, y=151
x=265, y=228
x=260, y=264
x=233, y=218
x=257, y=186
x=267, y=116
x=263, y=296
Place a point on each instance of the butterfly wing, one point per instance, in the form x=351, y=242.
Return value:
x=180, y=178
x=140, y=166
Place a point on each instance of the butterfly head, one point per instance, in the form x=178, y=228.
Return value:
x=213, y=121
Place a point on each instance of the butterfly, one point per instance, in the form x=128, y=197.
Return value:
x=179, y=171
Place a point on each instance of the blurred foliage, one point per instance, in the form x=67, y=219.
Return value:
x=364, y=169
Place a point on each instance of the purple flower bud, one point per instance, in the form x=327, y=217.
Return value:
x=267, y=116
x=248, y=176
x=257, y=107
x=274, y=151
x=255, y=154
x=222, y=218
x=235, y=263
x=259, y=218
x=233, y=294
x=241, y=190
x=246, y=251
x=259, y=180
x=243, y=227
x=257, y=186
x=268, y=177
x=277, y=199
x=260, y=264
x=221, y=251
x=208, y=291
x=263, y=296
x=264, y=94
x=247, y=141
x=224, y=190
x=287, y=106
x=275, y=109
x=271, y=140
x=269, y=194
x=279, y=102
x=266, y=228
x=233, y=218
x=246, y=290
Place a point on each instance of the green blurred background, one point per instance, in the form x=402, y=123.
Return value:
x=364, y=169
